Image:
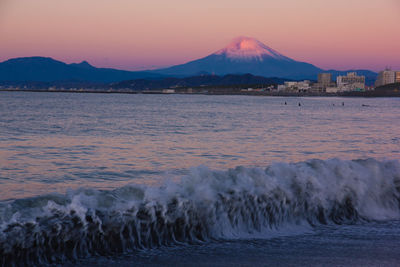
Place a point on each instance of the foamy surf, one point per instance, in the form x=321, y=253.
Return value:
x=203, y=206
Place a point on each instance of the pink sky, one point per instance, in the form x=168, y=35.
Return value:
x=142, y=34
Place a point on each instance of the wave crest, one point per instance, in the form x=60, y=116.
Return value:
x=204, y=205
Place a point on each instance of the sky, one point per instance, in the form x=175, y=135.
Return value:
x=147, y=34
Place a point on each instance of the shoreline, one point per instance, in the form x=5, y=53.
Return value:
x=248, y=93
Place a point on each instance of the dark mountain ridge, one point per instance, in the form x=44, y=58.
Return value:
x=46, y=69
x=197, y=81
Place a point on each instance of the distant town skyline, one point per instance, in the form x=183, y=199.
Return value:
x=137, y=35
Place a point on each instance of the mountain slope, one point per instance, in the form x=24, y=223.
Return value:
x=246, y=55
x=49, y=70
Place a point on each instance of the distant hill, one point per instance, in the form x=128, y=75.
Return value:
x=197, y=81
x=46, y=69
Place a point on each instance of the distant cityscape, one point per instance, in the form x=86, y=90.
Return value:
x=348, y=83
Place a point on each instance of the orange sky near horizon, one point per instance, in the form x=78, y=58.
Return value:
x=139, y=34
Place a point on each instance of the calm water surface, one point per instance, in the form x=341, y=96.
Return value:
x=56, y=141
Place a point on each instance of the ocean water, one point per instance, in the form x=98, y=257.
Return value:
x=113, y=179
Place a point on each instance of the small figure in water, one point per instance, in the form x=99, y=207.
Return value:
x=342, y=103
x=333, y=104
x=285, y=103
x=299, y=104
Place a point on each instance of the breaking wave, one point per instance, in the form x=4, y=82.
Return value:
x=204, y=205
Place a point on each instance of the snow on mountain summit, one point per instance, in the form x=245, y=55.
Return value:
x=246, y=48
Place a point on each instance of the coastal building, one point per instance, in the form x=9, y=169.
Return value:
x=290, y=84
x=325, y=79
x=281, y=87
x=386, y=77
x=350, y=82
x=317, y=88
x=304, y=86
x=331, y=90
x=301, y=86
x=397, y=78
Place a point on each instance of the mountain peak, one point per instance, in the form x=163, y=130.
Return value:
x=84, y=65
x=246, y=48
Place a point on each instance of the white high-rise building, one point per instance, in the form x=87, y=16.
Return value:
x=350, y=82
x=386, y=77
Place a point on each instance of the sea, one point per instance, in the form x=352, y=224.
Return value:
x=91, y=179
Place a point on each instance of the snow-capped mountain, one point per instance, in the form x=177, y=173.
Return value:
x=246, y=55
x=245, y=48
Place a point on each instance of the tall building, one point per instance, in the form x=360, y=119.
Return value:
x=386, y=77
x=350, y=82
x=325, y=79
x=397, y=78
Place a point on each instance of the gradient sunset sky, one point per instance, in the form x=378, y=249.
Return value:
x=144, y=34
